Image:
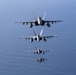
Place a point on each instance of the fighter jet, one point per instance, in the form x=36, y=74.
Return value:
x=39, y=51
x=37, y=37
x=40, y=22
x=41, y=60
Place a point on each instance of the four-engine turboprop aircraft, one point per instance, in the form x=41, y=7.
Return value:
x=38, y=37
x=40, y=22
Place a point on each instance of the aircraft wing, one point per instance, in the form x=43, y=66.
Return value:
x=25, y=22
x=31, y=51
x=27, y=37
x=46, y=51
x=48, y=36
x=53, y=21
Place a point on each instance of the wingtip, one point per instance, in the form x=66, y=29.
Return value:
x=56, y=35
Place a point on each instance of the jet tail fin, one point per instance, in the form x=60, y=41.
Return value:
x=41, y=32
x=34, y=16
x=34, y=32
x=44, y=15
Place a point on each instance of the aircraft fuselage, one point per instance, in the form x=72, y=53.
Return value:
x=38, y=38
x=38, y=51
x=39, y=21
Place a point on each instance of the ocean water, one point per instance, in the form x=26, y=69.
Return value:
x=15, y=56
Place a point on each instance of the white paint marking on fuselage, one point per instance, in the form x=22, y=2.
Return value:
x=38, y=38
x=39, y=21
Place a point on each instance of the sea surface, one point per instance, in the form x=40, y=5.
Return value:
x=15, y=54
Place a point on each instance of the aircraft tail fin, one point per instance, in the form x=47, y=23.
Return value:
x=44, y=15
x=41, y=32
x=34, y=32
x=34, y=16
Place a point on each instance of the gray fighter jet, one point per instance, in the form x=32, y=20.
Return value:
x=41, y=60
x=37, y=37
x=40, y=22
x=39, y=51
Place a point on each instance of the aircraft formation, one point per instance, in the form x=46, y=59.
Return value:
x=38, y=37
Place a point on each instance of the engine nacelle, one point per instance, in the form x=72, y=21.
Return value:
x=40, y=38
x=43, y=22
x=36, y=22
x=31, y=40
x=43, y=52
x=48, y=25
x=36, y=39
x=31, y=25
x=44, y=39
x=23, y=23
x=52, y=22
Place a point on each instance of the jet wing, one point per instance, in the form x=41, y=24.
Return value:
x=53, y=21
x=27, y=37
x=31, y=51
x=46, y=51
x=48, y=36
x=25, y=22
